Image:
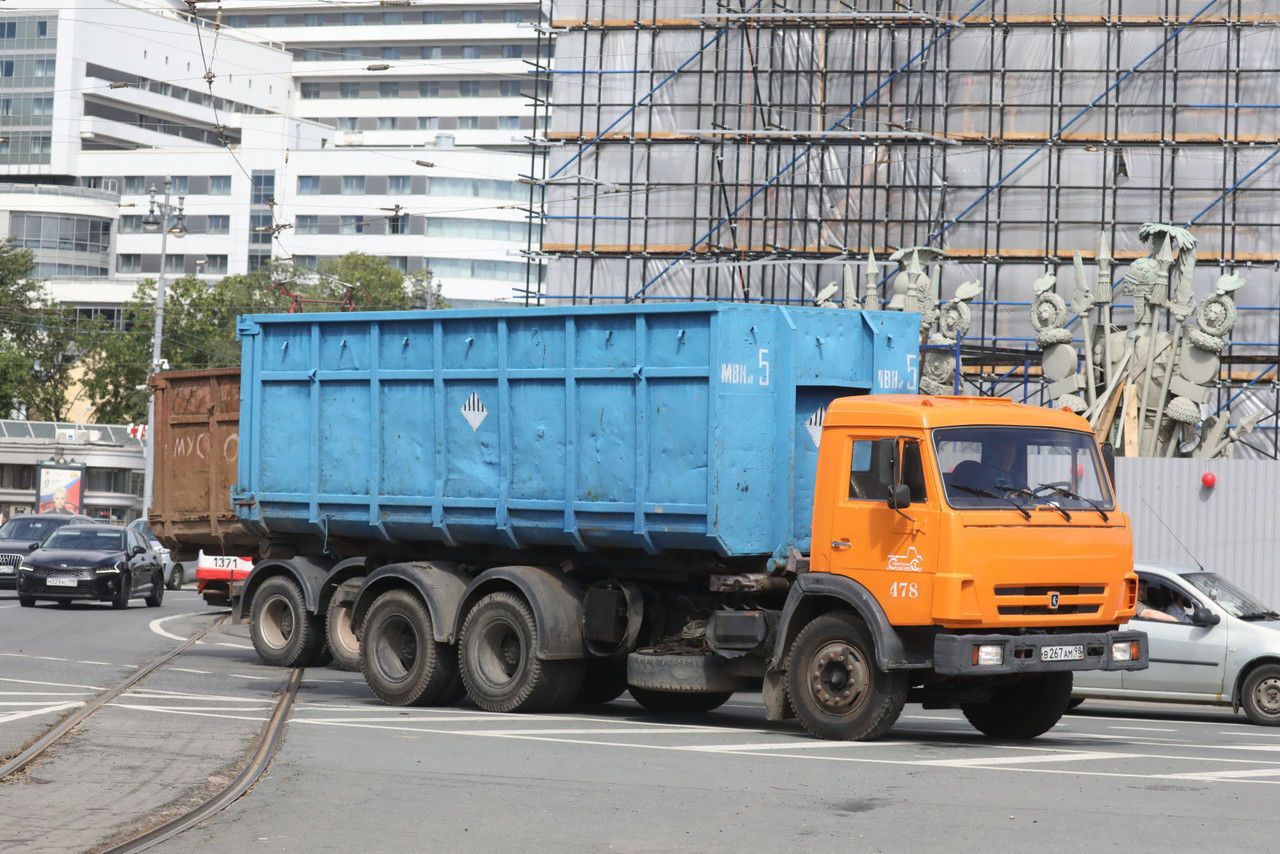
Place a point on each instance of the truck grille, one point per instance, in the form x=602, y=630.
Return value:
x=1038, y=600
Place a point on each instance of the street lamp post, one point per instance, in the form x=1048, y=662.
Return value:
x=167, y=219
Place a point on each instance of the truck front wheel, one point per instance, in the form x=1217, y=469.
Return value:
x=499, y=665
x=1024, y=708
x=400, y=658
x=284, y=633
x=834, y=685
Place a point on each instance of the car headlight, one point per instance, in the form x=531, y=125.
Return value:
x=25, y=567
x=106, y=569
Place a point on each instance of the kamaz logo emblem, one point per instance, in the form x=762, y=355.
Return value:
x=1053, y=601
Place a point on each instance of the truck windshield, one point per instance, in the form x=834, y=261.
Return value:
x=1012, y=467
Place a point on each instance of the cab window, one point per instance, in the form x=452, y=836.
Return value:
x=865, y=485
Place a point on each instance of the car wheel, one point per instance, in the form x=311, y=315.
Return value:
x=176, y=577
x=156, y=596
x=27, y=601
x=1261, y=695
x=120, y=600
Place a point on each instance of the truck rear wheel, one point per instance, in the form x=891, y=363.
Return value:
x=678, y=702
x=499, y=665
x=1022, y=709
x=834, y=685
x=342, y=639
x=284, y=633
x=400, y=658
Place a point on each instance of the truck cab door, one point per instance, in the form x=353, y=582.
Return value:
x=890, y=552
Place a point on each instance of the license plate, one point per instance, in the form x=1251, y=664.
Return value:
x=61, y=582
x=5, y=569
x=1061, y=653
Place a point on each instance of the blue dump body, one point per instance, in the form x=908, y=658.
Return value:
x=648, y=427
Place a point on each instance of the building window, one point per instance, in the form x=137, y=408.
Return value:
x=348, y=124
x=307, y=261
x=428, y=89
x=238, y=21
x=178, y=187
x=173, y=263
x=400, y=262
x=8, y=30
x=389, y=89
x=264, y=187
x=432, y=53
x=512, y=51
x=352, y=19
x=513, y=16
x=353, y=185
x=219, y=185
x=386, y=123
x=40, y=107
x=258, y=260
x=473, y=17
x=433, y=17
x=470, y=52
x=308, y=185
x=214, y=265
x=391, y=53
x=398, y=224
x=129, y=263
x=6, y=106
x=348, y=90
x=352, y=53
x=131, y=224
x=313, y=20
x=468, y=122
x=312, y=54
x=428, y=123
x=219, y=224
x=393, y=19
x=510, y=88
x=307, y=224
x=352, y=225
x=134, y=185
x=468, y=88
x=45, y=67
x=399, y=185
x=509, y=122
x=42, y=29
x=6, y=68
x=275, y=21
x=260, y=229
x=310, y=90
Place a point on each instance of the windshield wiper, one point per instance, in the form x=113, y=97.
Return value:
x=1067, y=493
x=1260, y=615
x=973, y=490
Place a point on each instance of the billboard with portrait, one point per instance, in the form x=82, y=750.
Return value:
x=60, y=488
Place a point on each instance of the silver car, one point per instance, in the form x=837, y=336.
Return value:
x=1210, y=642
x=174, y=573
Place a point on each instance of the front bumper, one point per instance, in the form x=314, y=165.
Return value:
x=99, y=587
x=953, y=654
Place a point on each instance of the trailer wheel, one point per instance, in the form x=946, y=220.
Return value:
x=603, y=680
x=1261, y=695
x=679, y=702
x=834, y=685
x=343, y=642
x=400, y=658
x=499, y=667
x=284, y=633
x=1024, y=708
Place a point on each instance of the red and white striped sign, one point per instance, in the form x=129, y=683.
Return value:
x=138, y=431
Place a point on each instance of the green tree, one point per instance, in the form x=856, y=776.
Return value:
x=38, y=344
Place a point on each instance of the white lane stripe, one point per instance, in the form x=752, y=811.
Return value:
x=1226, y=775
x=791, y=745
x=190, y=670
x=247, y=676
x=37, y=712
x=40, y=693
x=987, y=761
x=155, y=626
x=52, y=684
x=195, y=714
x=1143, y=728
x=235, y=645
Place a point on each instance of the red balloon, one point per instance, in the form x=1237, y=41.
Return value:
x=1208, y=480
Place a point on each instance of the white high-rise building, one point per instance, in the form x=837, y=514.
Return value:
x=101, y=100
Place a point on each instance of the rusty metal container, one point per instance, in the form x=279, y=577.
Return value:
x=197, y=449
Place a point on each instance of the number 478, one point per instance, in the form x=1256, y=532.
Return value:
x=904, y=590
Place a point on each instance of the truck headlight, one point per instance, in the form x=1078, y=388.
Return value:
x=988, y=654
x=1124, y=651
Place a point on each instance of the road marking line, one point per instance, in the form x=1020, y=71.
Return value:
x=794, y=745
x=40, y=693
x=1014, y=760
x=247, y=676
x=234, y=645
x=46, y=710
x=1226, y=775
x=196, y=714
x=53, y=684
x=190, y=670
x=155, y=625
x=1143, y=728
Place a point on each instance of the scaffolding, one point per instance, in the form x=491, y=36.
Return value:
x=752, y=149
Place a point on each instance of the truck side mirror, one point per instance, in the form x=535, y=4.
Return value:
x=1205, y=617
x=899, y=496
x=1109, y=461
x=886, y=460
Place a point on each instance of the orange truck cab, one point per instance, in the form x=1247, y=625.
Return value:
x=980, y=544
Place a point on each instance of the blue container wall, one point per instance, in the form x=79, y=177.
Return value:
x=647, y=427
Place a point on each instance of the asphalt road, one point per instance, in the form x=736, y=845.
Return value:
x=354, y=774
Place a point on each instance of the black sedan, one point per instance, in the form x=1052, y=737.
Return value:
x=25, y=533
x=105, y=563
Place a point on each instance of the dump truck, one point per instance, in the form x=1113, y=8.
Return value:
x=542, y=507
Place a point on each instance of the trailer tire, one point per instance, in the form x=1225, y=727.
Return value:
x=500, y=669
x=343, y=643
x=834, y=685
x=402, y=662
x=603, y=680
x=284, y=633
x=1022, y=709
x=683, y=674
x=679, y=702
